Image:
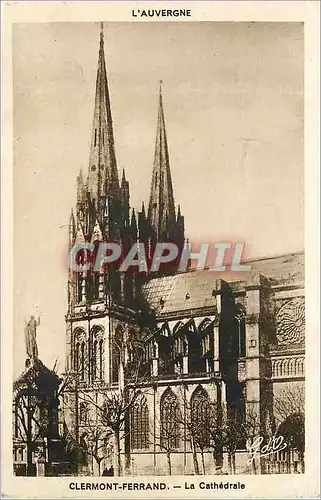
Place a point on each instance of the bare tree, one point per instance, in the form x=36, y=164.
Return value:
x=290, y=400
x=36, y=409
x=229, y=432
x=233, y=432
x=97, y=439
x=112, y=402
x=194, y=431
x=217, y=435
x=167, y=440
x=289, y=408
x=252, y=427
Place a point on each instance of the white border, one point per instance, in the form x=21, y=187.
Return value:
x=269, y=486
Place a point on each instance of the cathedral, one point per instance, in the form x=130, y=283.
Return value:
x=175, y=372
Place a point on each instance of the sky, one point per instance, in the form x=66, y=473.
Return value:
x=233, y=101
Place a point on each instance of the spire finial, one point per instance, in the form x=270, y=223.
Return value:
x=160, y=87
x=101, y=32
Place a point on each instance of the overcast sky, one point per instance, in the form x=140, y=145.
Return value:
x=233, y=99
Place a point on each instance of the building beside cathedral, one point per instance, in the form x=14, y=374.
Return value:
x=36, y=441
x=166, y=366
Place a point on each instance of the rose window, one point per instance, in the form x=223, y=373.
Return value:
x=290, y=322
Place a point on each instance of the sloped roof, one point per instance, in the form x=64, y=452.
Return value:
x=281, y=270
x=193, y=290
x=183, y=291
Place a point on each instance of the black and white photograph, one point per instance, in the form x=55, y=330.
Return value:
x=159, y=294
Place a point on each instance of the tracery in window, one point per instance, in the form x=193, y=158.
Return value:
x=139, y=419
x=170, y=421
x=201, y=414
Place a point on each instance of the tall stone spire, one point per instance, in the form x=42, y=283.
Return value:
x=161, y=209
x=102, y=174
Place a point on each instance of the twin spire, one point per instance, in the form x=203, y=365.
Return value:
x=161, y=208
x=103, y=182
x=102, y=173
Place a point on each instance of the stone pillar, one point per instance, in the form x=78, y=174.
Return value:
x=216, y=353
x=101, y=287
x=155, y=360
x=253, y=362
x=216, y=324
x=154, y=367
x=83, y=287
x=122, y=288
x=185, y=364
x=253, y=347
x=107, y=350
x=223, y=393
x=40, y=467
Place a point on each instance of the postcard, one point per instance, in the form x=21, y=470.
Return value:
x=160, y=250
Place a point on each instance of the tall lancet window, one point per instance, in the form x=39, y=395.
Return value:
x=97, y=353
x=170, y=421
x=117, y=347
x=79, y=286
x=240, y=330
x=80, y=354
x=101, y=359
x=82, y=360
x=94, y=359
x=201, y=415
x=77, y=357
x=139, y=424
x=80, y=277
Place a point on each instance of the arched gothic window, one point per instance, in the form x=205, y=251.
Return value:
x=117, y=346
x=79, y=287
x=82, y=361
x=80, y=276
x=97, y=354
x=201, y=417
x=94, y=359
x=79, y=362
x=240, y=328
x=77, y=357
x=170, y=421
x=101, y=360
x=139, y=420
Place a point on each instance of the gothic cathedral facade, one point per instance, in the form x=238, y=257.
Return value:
x=206, y=342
